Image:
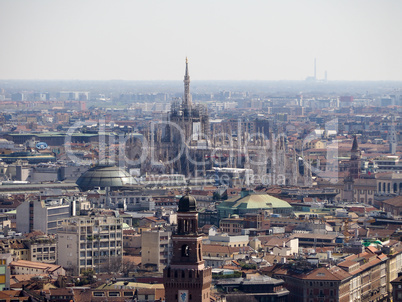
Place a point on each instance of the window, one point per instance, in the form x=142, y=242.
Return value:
x=185, y=251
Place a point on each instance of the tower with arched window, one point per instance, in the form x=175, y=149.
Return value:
x=186, y=279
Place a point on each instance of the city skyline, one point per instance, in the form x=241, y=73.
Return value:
x=226, y=40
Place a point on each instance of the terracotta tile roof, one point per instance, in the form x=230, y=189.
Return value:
x=380, y=233
x=20, y=278
x=134, y=259
x=372, y=249
x=61, y=292
x=396, y=201
x=12, y=294
x=34, y=234
x=82, y=295
x=275, y=241
x=347, y=263
x=210, y=248
x=323, y=273
x=38, y=265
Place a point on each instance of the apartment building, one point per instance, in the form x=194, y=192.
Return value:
x=43, y=215
x=393, y=250
x=39, y=248
x=5, y=260
x=397, y=289
x=90, y=242
x=42, y=249
x=360, y=277
x=156, y=249
x=368, y=275
x=129, y=200
x=233, y=225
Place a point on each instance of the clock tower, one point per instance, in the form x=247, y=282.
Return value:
x=186, y=279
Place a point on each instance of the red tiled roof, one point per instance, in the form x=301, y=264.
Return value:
x=396, y=201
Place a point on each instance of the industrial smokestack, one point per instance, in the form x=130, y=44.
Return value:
x=315, y=69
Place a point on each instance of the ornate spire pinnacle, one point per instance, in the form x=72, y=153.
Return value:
x=355, y=146
x=187, y=97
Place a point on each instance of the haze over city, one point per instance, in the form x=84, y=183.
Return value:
x=224, y=40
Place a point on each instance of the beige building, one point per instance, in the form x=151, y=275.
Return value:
x=156, y=249
x=42, y=249
x=281, y=246
x=232, y=226
x=389, y=183
x=90, y=242
x=393, y=250
x=364, y=190
x=226, y=240
x=393, y=206
x=23, y=267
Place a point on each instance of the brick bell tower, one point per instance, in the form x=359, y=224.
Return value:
x=186, y=279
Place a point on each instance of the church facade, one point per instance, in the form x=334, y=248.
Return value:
x=185, y=144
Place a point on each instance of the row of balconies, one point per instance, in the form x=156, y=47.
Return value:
x=100, y=237
x=96, y=246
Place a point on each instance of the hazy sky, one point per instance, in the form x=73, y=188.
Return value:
x=223, y=39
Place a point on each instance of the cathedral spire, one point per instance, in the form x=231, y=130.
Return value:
x=355, y=146
x=187, y=97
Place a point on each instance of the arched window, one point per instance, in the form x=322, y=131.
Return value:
x=395, y=187
x=185, y=250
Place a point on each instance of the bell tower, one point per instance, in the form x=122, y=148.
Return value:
x=355, y=154
x=187, y=279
